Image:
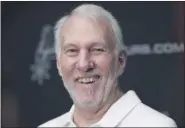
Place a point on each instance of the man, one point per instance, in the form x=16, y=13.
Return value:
x=90, y=58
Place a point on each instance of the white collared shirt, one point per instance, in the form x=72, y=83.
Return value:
x=128, y=111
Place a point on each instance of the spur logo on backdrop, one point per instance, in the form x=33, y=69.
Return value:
x=45, y=53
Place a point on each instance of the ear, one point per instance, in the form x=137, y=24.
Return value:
x=58, y=66
x=122, y=62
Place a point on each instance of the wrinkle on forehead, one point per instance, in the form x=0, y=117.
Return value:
x=102, y=25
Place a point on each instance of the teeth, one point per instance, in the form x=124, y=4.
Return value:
x=91, y=80
x=87, y=80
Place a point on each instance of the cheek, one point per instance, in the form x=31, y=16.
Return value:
x=105, y=63
x=67, y=67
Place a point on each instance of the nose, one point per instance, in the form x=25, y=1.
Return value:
x=85, y=63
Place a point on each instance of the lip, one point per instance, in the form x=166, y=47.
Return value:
x=99, y=77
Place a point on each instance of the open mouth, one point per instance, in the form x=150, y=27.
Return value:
x=88, y=80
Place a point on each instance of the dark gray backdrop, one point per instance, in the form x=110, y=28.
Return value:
x=158, y=79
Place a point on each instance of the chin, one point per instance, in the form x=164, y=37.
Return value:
x=87, y=103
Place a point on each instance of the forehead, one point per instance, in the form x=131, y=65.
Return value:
x=85, y=30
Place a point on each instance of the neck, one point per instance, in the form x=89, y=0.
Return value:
x=85, y=118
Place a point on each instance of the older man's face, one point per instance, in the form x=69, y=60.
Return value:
x=87, y=62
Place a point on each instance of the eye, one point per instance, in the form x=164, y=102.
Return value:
x=71, y=52
x=98, y=50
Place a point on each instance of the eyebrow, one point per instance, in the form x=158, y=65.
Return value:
x=69, y=45
x=98, y=43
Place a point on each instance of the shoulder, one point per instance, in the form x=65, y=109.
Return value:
x=147, y=116
x=56, y=122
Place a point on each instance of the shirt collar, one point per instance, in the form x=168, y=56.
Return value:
x=119, y=110
x=69, y=121
x=116, y=113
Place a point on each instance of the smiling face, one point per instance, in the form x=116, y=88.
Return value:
x=88, y=64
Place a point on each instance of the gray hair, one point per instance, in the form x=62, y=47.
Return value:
x=94, y=12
